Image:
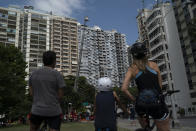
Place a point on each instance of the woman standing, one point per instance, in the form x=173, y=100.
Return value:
x=148, y=79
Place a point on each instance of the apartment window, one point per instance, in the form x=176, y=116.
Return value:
x=193, y=95
x=153, y=15
x=11, y=39
x=194, y=13
x=154, y=33
x=3, y=15
x=193, y=103
x=12, y=13
x=11, y=30
x=157, y=50
x=3, y=25
x=155, y=42
x=34, y=28
x=10, y=17
x=153, y=24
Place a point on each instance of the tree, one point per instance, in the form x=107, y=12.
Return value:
x=85, y=92
x=70, y=96
x=123, y=97
x=12, y=81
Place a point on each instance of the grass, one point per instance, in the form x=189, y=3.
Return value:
x=74, y=126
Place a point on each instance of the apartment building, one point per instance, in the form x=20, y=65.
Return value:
x=122, y=56
x=101, y=51
x=35, y=32
x=28, y=30
x=9, y=26
x=64, y=41
x=130, y=58
x=165, y=50
x=185, y=12
x=141, y=20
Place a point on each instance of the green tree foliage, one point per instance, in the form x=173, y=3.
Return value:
x=12, y=81
x=85, y=93
x=123, y=97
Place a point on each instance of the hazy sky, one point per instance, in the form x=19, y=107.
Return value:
x=107, y=14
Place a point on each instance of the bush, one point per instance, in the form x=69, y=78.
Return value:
x=181, y=111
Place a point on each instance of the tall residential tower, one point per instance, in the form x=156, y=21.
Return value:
x=165, y=50
x=185, y=13
x=104, y=55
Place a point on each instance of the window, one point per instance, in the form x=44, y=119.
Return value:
x=12, y=13
x=11, y=30
x=193, y=95
x=3, y=25
x=194, y=12
x=3, y=15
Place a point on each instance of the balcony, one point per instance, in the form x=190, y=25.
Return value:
x=156, y=36
x=158, y=54
x=154, y=28
x=157, y=45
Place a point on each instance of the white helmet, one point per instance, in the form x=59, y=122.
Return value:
x=104, y=84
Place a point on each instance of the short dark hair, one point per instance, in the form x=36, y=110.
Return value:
x=49, y=58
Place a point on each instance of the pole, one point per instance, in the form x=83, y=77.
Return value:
x=80, y=55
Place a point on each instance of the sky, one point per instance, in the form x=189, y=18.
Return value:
x=107, y=14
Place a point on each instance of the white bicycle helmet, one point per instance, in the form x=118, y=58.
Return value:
x=104, y=84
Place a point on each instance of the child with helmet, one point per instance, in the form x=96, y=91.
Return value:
x=105, y=114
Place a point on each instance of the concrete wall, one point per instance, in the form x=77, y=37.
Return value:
x=176, y=59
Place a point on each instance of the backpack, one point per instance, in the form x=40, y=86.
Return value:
x=149, y=100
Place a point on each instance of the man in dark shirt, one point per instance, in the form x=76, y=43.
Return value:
x=46, y=86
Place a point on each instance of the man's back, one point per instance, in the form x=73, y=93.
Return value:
x=45, y=83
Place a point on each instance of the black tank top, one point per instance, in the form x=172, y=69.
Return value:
x=147, y=79
x=105, y=115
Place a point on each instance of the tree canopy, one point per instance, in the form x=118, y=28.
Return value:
x=123, y=98
x=85, y=93
x=12, y=81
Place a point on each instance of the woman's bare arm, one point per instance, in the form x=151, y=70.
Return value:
x=128, y=77
x=119, y=103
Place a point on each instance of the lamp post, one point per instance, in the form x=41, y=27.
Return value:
x=80, y=55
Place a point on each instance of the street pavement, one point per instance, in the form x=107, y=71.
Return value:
x=186, y=124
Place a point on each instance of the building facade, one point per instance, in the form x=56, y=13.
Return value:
x=9, y=26
x=141, y=20
x=122, y=56
x=104, y=55
x=64, y=41
x=35, y=32
x=185, y=12
x=164, y=48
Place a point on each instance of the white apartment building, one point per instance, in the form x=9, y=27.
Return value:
x=64, y=41
x=143, y=14
x=35, y=32
x=9, y=26
x=26, y=29
x=185, y=12
x=164, y=46
x=102, y=52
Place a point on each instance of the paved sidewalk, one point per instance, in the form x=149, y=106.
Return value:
x=133, y=124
